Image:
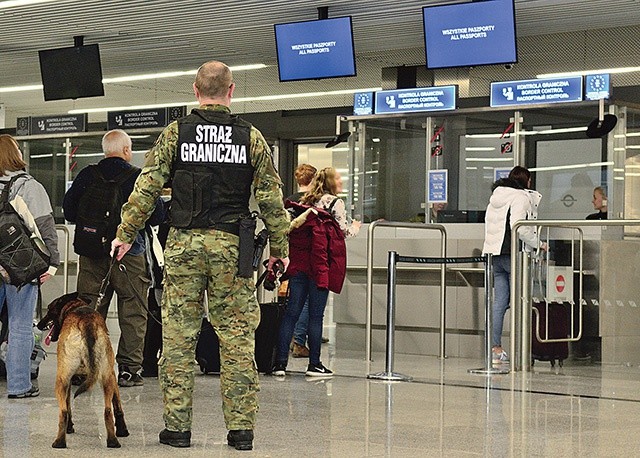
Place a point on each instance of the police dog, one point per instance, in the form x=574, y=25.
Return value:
x=83, y=346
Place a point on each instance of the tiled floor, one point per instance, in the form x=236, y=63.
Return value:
x=573, y=411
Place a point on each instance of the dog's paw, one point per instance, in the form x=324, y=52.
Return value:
x=122, y=432
x=59, y=443
x=113, y=443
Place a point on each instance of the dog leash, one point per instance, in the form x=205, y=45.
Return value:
x=105, y=281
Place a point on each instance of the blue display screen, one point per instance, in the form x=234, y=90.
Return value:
x=470, y=34
x=529, y=92
x=416, y=100
x=315, y=49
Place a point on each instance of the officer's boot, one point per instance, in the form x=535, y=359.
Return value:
x=241, y=439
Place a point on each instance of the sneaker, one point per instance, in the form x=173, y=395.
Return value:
x=279, y=370
x=318, y=371
x=299, y=351
x=175, y=438
x=241, y=439
x=32, y=393
x=500, y=357
x=127, y=378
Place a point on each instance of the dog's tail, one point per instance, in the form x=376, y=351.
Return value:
x=89, y=334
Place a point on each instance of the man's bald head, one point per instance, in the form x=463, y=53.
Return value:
x=213, y=80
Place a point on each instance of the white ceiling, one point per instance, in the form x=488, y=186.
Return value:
x=148, y=36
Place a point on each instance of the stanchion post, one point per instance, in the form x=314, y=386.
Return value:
x=488, y=368
x=388, y=373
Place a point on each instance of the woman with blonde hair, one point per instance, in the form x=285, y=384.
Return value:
x=21, y=303
x=318, y=259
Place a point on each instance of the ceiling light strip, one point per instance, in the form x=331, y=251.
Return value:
x=590, y=72
x=140, y=77
x=236, y=100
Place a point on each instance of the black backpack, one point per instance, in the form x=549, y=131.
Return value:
x=99, y=213
x=22, y=259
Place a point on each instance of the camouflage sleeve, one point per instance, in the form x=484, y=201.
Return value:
x=268, y=193
x=155, y=174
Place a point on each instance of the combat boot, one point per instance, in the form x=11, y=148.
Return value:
x=241, y=439
x=175, y=438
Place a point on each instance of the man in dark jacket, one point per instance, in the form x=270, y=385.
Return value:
x=130, y=286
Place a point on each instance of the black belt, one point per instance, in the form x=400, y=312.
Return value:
x=231, y=228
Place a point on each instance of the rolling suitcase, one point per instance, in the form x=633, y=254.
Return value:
x=558, y=329
x=271, y=314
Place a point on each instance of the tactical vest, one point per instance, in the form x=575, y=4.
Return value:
x=212, y=173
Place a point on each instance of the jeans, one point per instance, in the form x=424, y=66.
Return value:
x=21, y=306
x=300, y=331
x=301, y=287
x=502, y=290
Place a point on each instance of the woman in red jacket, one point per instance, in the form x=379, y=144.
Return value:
x=318, y=264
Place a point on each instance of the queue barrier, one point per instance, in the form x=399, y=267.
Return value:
x=393, y=258
x=369, y=294
x=520, y=294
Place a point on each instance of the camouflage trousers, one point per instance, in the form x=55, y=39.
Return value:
x=199, y=260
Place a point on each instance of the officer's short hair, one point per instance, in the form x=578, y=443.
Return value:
x=115, y=141
x=213, y=79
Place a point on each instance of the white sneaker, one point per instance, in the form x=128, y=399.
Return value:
x=500, y=358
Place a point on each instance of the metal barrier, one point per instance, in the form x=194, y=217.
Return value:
x=388, y=374
x=520, y=315
x=369, y=301
x=578, y=335
x=65, y=257
x=65, y=265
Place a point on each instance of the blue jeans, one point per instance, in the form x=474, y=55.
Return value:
x=301, y=287
x=300, y=331
x=21, y=306
x=502, y=290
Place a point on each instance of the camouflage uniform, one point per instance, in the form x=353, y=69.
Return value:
x=206, y=259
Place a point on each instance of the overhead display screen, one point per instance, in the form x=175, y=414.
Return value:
x=470, y=34
x=71, y=73
x=315, y=49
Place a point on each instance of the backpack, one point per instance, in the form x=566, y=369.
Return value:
x=99, y=213
x=21, y=256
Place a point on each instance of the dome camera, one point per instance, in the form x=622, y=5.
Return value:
x=508, y=66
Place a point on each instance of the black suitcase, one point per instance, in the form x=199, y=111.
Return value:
x=208, y=347
x=271, y=314
x=558, y=329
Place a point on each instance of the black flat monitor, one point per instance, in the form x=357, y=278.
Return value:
x=315, y=49
x=461, y=216
x=470, y=34
x=71, y=73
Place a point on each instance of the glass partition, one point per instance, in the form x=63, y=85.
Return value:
x=627, y=141
x=46, y=159
x=566, y=164
x=478, y=146
x=389, y=169
x=392, y=157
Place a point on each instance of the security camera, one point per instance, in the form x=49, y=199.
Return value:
x=508, y=66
